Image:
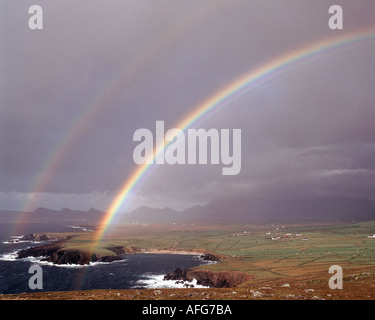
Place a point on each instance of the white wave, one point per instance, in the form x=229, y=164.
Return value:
x=11, y=256
x=81, y=228
x=97, y=263
x=21, y=241
x=157, y=282
x=72, y=265
x=43, y=261
x=51, y=264
x=39, y=260
x=206, y=261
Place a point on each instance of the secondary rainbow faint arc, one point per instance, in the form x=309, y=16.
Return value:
x=269, y=70
x=82, y=120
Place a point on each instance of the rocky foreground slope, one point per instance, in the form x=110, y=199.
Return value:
x=359, y=285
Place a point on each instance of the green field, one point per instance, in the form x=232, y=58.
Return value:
x=250, y=247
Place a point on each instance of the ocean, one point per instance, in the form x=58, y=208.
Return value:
x=133, y=271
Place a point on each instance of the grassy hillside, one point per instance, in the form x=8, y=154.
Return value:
x=285, y=268
x=250, y=248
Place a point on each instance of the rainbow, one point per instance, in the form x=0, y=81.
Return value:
x=98, y=102
x=242, y=85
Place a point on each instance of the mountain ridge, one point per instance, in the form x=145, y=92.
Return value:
x=240, y=210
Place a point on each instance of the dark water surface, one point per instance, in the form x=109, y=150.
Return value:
x=133, y=271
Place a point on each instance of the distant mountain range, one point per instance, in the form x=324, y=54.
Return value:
x=220, y=211
x=45, y=215
x=261, y=211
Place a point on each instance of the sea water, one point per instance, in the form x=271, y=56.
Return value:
x=132, y=271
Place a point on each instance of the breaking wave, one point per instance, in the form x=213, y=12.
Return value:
x=156, y=281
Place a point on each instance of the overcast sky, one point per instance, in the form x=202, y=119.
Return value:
x=72, y=95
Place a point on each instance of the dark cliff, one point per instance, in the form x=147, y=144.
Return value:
x=222, y=279
x=44, y=237
x=56, y=252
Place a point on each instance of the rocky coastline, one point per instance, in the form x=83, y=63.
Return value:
x=208, y=278
x=57, y=253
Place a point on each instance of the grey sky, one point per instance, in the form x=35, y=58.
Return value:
x=99, y=70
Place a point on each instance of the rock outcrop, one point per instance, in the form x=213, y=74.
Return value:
x=125, y=250
x=62, y=256
x=56, y=252
x=210, y=257
x=45, y=250
x=43, y=237
x=222, y=279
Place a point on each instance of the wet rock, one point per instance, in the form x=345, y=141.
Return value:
x=210, y=257
x=222, y=279
x=109, y=258
x=40, y=251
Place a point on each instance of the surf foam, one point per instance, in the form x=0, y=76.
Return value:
x=156, y=281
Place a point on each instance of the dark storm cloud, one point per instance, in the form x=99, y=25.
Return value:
x=309, y=131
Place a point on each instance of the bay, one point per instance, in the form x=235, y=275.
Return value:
x=133, y=271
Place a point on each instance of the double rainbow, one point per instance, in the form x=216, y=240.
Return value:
x=55, y=157
x=242, y=85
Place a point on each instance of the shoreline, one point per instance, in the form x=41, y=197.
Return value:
x=170, y=251
x=56, y=252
